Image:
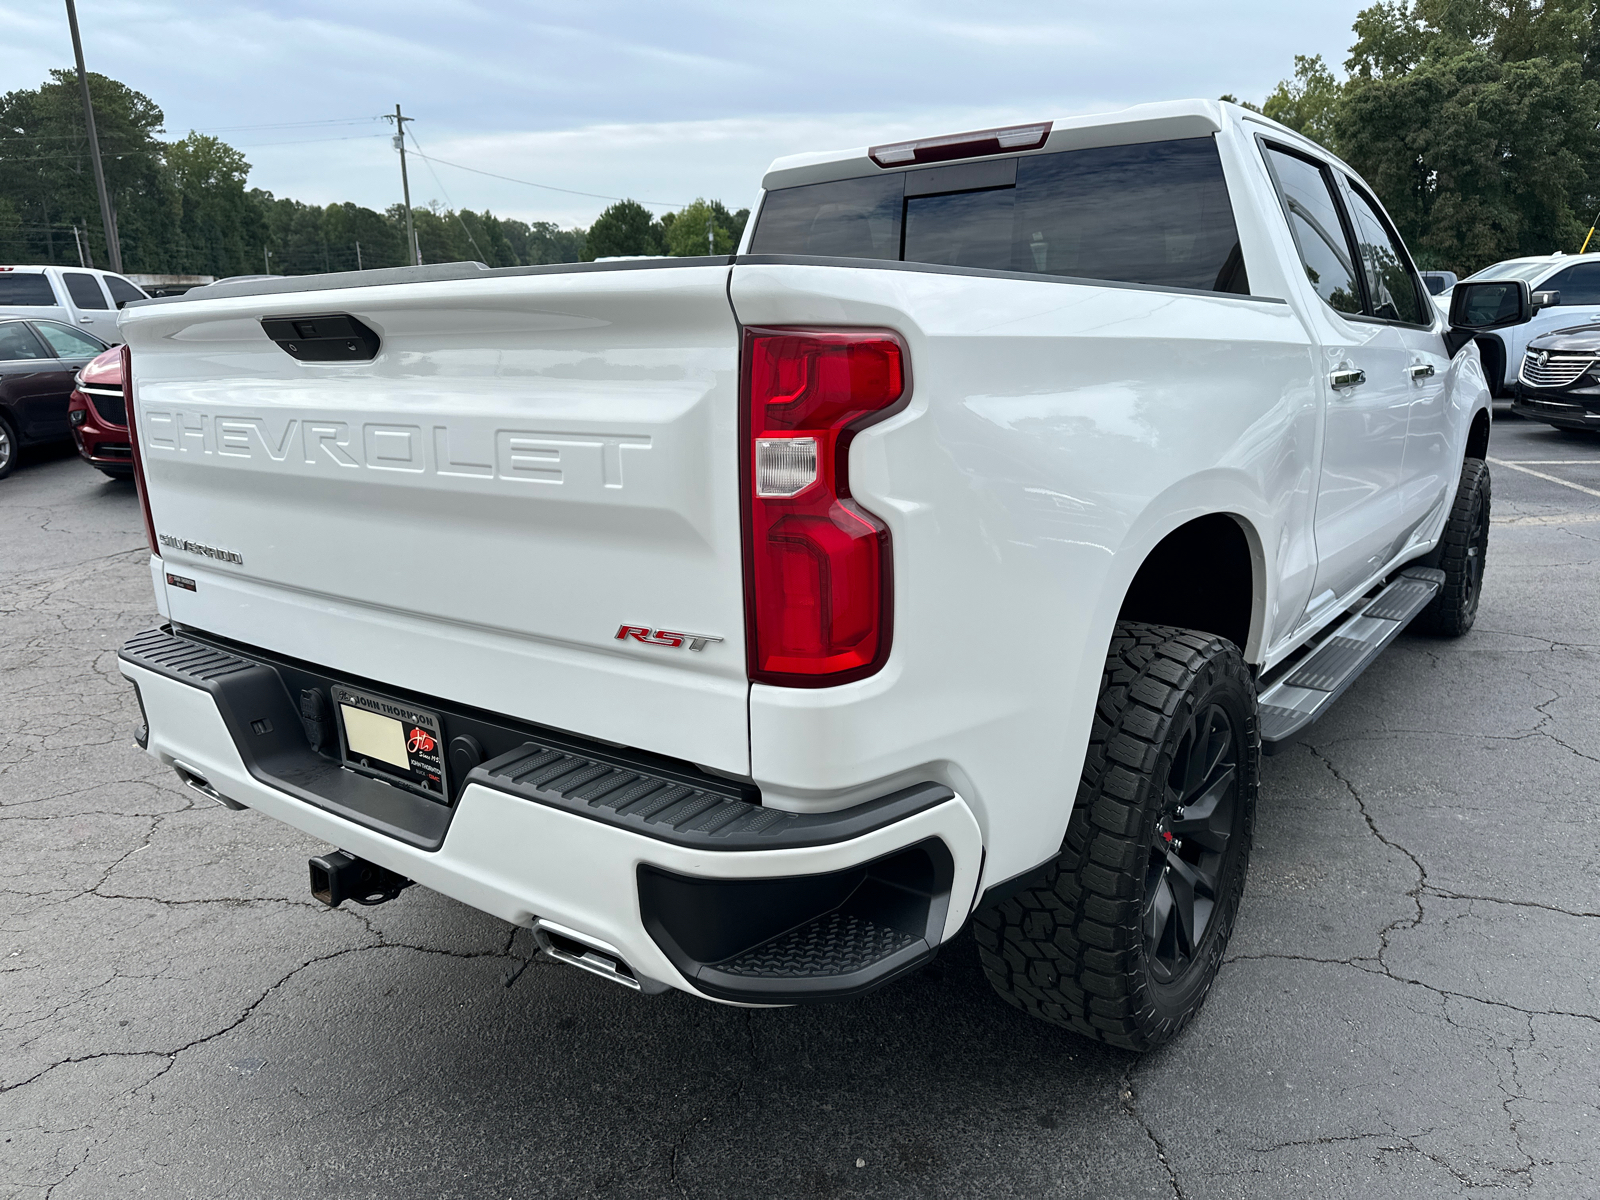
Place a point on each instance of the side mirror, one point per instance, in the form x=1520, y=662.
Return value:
x=1545, y=300
x=1479, y=307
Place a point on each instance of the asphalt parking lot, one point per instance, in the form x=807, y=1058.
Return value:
x=1410, y=1006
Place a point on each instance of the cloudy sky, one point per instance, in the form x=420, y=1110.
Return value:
x=661, y=102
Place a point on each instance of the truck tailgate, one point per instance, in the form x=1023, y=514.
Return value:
x=530, y=463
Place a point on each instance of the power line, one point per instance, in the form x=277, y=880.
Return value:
x=481, y=256
x=549, y=186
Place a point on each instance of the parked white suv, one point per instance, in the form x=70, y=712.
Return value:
x=78, y=296
x=1575, y=281
x=750, y=625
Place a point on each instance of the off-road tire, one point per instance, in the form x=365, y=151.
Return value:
x=1070, y=947
x=1461, y=555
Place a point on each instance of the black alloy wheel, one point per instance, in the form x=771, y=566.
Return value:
x=1189, y=853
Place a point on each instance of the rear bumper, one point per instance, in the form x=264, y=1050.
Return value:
x=732, y=902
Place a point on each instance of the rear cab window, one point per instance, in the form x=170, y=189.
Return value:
x=1578, y=284
x=121, y=290
x=1153, y=213
x=26, y=290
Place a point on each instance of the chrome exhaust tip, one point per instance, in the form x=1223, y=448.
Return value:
x=563, y=945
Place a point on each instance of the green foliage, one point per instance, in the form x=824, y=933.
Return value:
x=1306, y=103
x=626, y=228
x=1474, y=120
x=690, y=232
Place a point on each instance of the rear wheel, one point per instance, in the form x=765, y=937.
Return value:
x=1120, y=937
x=8, y=447
x=1460, y=554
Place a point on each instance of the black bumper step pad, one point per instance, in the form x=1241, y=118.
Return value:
x=671, y=809
x=834, y=944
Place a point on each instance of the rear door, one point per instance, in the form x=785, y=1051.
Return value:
x=73, y=350
x=1366, y=390
x=532, y=485
x=94, y=312
x=1395, y=295
x=36, y=383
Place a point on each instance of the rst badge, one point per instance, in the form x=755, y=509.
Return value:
x=665, y=637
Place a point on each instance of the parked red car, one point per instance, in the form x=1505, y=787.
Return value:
x=99, y=416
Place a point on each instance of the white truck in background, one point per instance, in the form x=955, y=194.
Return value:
x=751, y=625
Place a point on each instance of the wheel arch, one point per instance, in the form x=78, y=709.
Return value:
x=1207, y=572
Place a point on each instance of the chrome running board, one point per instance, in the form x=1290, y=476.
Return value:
x=1310, y=686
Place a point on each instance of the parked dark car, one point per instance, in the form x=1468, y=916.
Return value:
x=1559, y=380
x=99, y=417
x=38, y=363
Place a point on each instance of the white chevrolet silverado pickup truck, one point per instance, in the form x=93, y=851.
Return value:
x=751, y=625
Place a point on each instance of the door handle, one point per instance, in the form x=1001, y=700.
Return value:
x=1347, y=379
x=85, y=320
x=1420, y=370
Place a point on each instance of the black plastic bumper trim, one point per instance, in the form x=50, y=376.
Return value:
x=804, y=938
x=672, y=810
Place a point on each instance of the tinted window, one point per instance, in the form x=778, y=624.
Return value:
x=852, y=218
x=67, y=342
x=121, y=290
x=26, y=290
x=1578, y=284
x=1391, y=287
x=1156, y=213
x=1307, y=192
x=17, y=341
x=84, y=290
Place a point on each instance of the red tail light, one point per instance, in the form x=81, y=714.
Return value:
x=138, y=458
x=818, y=575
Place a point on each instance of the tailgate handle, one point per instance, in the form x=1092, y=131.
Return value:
x=322, y=337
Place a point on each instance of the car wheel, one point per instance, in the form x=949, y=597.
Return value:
x=1120, y=937
x=1460, y=554
x=8, y=447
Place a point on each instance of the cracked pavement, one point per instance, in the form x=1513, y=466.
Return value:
x=1410, y=1005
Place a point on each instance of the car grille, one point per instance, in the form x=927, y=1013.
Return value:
x=107, y=402
x=1554, y=368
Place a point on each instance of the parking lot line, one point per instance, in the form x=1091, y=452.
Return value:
x=1577, y=487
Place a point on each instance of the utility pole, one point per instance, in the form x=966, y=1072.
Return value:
x=266, y=261
x=79, y=242
x=107, y=217
x=711, y=238
x=405, y=184
x=358, y=256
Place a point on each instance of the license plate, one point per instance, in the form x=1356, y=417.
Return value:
x=392, y=740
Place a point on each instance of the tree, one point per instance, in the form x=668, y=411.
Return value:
x=46, y=174
x=1307, y=103
x=1475, y=124
x=1474, y=120
x=687, y=232
x=623, y=229
x=219, y=229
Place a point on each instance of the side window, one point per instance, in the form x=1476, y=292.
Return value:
x=1578, y=284
x=27, y=290
x=84, y=290
x=66, y=341
x=1313, y=214
x=121, y=290
x=17, y=342
x=1395, y=293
